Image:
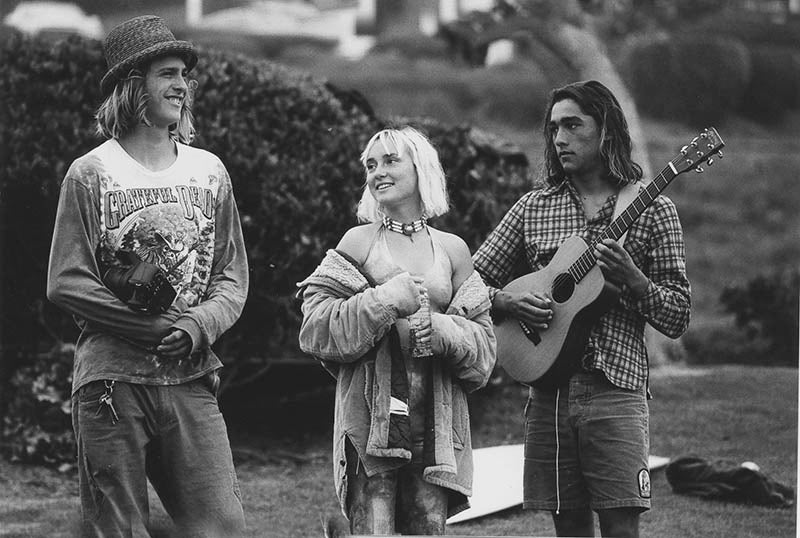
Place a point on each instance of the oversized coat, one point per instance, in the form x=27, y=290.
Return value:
x=347, y=327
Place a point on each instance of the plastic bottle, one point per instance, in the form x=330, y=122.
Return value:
x=418, y=321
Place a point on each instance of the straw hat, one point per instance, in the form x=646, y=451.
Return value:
x=139, y=40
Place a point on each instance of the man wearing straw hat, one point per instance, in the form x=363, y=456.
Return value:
x=148, y=256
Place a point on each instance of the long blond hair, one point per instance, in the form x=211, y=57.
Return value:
x=126, y=107
x=430, y=175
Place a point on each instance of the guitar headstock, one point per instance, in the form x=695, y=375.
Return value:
x=702, y=149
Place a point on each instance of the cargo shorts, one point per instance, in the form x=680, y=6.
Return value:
x=587, y=447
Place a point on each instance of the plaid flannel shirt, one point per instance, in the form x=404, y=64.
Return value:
x=527, y=237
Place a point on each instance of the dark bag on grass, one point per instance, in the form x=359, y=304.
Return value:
x=727, y=481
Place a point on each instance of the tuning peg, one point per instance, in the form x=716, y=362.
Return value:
x=699, y=169
x=684, y=150
x=704, y=134
x=719, y=154
x=710, y=162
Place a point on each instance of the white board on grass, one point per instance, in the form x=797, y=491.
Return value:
x=497, y=480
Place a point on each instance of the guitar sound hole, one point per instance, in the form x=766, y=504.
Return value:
x=563, y=287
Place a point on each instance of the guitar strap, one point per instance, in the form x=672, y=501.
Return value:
x=624, y=198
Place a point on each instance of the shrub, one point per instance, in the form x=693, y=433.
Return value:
x=752, y=30
x=291, y=145
x=420, y=87
x=774, y=85
x=514, y=94
x=767, y=309
x=37, y=427
x=54, y=91
x=288, y=142
x=699, y=80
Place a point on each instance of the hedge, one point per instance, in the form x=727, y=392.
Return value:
x=775, y=84
x=752, y=29
x=766, y=308
x=761, y=328
x=695, y=79
x=291, y=144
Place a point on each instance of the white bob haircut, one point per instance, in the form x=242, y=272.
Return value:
x=430, y=176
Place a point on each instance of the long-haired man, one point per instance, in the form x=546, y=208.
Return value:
x=587, y=436
x=148, y=256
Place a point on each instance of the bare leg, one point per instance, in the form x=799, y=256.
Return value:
x=370, y=500
x=421, y=507
x=574, y=522
x=619, y=522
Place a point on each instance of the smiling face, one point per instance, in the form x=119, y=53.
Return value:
x=576, y=137
x=167, y=90
x=391, y=175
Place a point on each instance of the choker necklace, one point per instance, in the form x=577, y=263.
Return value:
x=405, y=228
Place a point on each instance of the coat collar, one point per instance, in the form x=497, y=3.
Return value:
x=338, y=273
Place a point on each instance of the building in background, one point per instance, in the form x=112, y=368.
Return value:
x=393, y=17
x=777, y=11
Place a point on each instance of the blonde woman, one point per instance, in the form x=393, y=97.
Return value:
x=398, y=315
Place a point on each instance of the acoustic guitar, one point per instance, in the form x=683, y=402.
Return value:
x=580, y=293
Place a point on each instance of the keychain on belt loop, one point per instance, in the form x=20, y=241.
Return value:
x=106, y=399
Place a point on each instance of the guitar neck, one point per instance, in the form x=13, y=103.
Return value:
x=625, y=220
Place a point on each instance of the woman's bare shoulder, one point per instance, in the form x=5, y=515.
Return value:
x=357, y=240
x=456, y=247
x=459, y=254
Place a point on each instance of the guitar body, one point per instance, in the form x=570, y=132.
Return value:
x=547, y=358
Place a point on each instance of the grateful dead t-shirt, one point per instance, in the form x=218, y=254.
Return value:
x=113, y=211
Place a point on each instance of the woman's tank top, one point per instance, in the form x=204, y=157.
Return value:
x=380, y=265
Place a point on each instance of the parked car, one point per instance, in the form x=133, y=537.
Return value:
x=54, y=19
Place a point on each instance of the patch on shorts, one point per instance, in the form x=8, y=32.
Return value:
x=644, y=484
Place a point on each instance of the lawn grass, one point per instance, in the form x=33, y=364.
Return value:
x=738, y=413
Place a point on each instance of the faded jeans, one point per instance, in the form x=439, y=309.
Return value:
x=173, y=435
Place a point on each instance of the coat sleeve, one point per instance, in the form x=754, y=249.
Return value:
x=227, y=288
x=469, y=348
x=340, y=328
x=73, y=278
x=465, y=335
